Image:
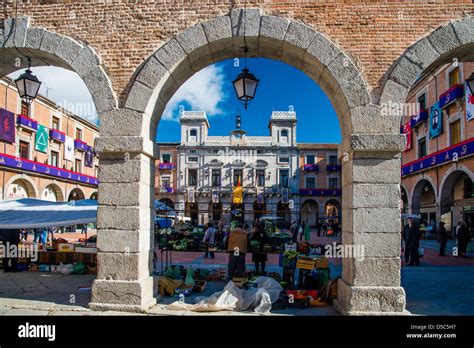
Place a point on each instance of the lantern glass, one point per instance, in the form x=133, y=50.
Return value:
x=28, y=85
x=245, y=85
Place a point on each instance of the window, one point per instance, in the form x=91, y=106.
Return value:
x=310, y=183
x=78, y=134
x=25, y=109
x=237, y=176
x=193, y=159
x=166, y=158
x=454, y=77
x=192, y=177
x=283, y=177
x=333, y=182
x=96, y=171
x=332, y=160
x=55, y=123
x=284, y=135
x=422, y=101
x=54, y=159
x=193, y=135
x=165, y=182
x=78, y=167
x=310, y=159
x=260, y=177
x=422, y=147
x=24, y=149
x=216, y=178
x=455, y=132
x=284, y=159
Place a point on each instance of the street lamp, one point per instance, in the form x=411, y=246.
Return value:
x=470, y=83
x=28, y=85
x=245, y=85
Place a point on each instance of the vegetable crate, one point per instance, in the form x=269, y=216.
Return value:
x=283, y=261
x=305, y=264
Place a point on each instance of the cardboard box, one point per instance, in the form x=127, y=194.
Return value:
x=238, y=239
x=66, y=247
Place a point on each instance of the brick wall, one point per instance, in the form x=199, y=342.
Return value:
x=124, y=33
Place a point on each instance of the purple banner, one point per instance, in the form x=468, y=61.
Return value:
x=311, y=167
x=463, y=149
x=165, y=166
x=333, y=168
x=36, y=167
x=7, y=126
x=80, y=145
x=57, y=135
x=320, y=192
x=417, y=119
x=89, y=157
x=27, y=122
x=451, y=95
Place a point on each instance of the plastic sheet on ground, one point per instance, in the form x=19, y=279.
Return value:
x=232, y=298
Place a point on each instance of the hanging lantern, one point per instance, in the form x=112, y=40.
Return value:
x=28, y=85
x=245, y=86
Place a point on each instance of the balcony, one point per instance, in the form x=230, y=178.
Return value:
x=166, y=166
x=320, y=192
x=57, y=135
x=333, y=167
x=81, y=145
x=311, y=167
x=27, y=122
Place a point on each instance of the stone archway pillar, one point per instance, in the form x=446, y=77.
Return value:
x=125, y=219
x=370, y=282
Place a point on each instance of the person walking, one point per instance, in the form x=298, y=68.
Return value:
x=463, y=237
x=259, y=257
x=236, y=245
x=209, y=239
x=442, y=238
x=51, y=231
x=294, y=231
x=84, y=229
x=10, y=239
x=38, y=235
x=412, y=238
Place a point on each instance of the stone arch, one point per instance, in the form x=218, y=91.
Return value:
x=418, y=190
x=310, y=211
x=372, y=141
x=334, y=202
x=56, y=189
x=29, y=185
x=75, y=194
x=452, y=40
x=45, y=47
x=407, y=195
x=447, y=184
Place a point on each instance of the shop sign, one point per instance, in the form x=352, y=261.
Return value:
x=453, y=153
x=408, y=134
x=40, y=168
x=469, y=103
x=451, y=95
x=422, y=116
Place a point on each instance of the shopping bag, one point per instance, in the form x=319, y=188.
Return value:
x=421, y=252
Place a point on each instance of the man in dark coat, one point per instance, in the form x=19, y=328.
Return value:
x=464, y=237
x=442, y=237
x=412, y=237
x=10, y=238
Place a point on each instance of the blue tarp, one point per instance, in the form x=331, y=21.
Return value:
x=36, y=213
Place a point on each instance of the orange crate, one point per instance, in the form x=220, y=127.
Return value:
x=305, y=264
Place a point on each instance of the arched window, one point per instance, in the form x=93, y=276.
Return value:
x=284, y=135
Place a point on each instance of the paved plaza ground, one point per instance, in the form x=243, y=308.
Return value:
x=440, y=286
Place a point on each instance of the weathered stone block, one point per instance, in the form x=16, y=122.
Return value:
x=126, y=194
x=138, y=97
x=86, y=60
x=273, y=27
x=371, y=271
x=50, y=42
x=34, y=37
x=464, y=29
x=192, y=38
x=152, y=73
x=170, y=54
x=97, y=80
x=393, y=94
x=126, y=144
x=124, y=218
x=377, y=142
x=68, y=49
x=422, y=53
x=405, y=72
x=124, y=122
x=366, y=220
x=125, y=169
x=104, y=100
x=132, y=241
x=375, y=244
x=14, y=31
x=217, y=29
x=322, y=49
x=376, y=170
x=249, y=17
x=299, y=35
x=124, y=265
x=444, y=39
x=371, y=195
x=370, y=119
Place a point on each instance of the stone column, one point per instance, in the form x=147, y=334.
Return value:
x=125, y=239
x=371, y=219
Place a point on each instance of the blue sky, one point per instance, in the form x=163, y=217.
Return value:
x=281, y=86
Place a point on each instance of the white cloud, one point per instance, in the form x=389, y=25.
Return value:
x=204, y=91
x=66, y=89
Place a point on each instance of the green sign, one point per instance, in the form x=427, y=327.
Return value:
x=42, y=139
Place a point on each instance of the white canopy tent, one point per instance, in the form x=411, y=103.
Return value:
x=36, y=213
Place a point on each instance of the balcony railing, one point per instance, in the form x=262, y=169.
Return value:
x=27, y=122
x=166, y=166
x=311, y=167
x=320, y=192
x=333, y=167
